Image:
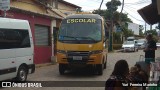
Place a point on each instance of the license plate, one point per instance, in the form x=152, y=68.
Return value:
x=77, y=57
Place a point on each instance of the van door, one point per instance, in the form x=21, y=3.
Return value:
x=7, y=55
x=7, y=64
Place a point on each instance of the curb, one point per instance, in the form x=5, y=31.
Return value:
x=114, y=51
x=43, y=65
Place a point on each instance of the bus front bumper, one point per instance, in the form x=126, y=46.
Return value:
x=92, y=59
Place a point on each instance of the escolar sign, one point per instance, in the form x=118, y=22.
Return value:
x=81, y=20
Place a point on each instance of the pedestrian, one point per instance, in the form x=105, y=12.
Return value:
x=118, y=76
x=150, y=51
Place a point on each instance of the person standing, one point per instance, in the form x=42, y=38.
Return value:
x=150, y=51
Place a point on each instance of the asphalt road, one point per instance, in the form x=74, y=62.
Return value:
x=51, y=73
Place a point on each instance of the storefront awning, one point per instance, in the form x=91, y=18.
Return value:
x=150, y=14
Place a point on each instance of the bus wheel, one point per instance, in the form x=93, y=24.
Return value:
x=61, y=69
x=99, y=68
x=22, y=74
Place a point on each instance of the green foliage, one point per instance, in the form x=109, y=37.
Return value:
x=153, y=32
x=124, y=18
x=103, y=13
x=158, y=27
x=117, y=37
x=117, y=46
x=116, y=19
x=114, y=6
x=155, y=38
x=141, y=28
x=127, y=32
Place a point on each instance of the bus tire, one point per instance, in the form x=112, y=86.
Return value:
x=99, y=68
x=22, y=74
x=61, y=69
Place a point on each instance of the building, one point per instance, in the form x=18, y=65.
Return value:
x=44, y=17
x=134, y=27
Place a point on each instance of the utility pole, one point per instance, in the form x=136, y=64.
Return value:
x=145, y=29
x=111, y=29
x=101, y=5
x=151, y=27
x=121, y=20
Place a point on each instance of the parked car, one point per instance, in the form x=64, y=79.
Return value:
x=141, y=43
x=131, y=38
x=158, y=45
x=130, y=46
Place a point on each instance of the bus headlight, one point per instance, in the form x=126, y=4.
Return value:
x=61, y=51
x=96, y=52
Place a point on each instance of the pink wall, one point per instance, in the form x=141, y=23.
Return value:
x=42, y=53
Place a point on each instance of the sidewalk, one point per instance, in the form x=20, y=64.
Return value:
x=44, y=64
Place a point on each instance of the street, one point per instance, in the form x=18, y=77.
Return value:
x=51, y=73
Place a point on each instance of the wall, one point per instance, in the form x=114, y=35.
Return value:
x=66, y=8
x=134, y=27
x=29, y=5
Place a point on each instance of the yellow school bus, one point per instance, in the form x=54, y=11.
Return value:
x=82, y=42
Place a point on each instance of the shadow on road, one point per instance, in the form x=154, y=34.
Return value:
x=83, y=72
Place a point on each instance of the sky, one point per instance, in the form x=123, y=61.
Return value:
x=130, y=7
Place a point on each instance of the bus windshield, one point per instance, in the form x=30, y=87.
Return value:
x=80, y=30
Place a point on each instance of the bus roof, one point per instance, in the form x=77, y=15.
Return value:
x=95, y=16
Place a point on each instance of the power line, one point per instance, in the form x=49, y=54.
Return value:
x=134, y=17
x=137, y=3
x=128, y=6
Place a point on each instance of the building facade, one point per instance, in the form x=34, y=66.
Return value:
x=43, y=19
x=134, y=27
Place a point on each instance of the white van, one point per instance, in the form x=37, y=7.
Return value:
x=16, y=49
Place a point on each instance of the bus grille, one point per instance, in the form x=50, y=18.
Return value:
x=84, y=54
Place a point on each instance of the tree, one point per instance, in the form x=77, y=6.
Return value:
x=141, y=28
x=154, y=33
x=106, y=13
x=126, y=31
x=158, y=27
x=113, y=6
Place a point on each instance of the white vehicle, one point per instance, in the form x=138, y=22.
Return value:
x=158, y=45
x=16, y=49
x=129, y=46
x=141, y=43
x=130, y=38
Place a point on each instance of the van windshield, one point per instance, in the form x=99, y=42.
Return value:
x=80, y=30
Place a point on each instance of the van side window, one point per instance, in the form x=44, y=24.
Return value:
x=13, y=38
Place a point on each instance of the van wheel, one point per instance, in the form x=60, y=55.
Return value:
x=22, y=74
x=61, y=69
x=99, y=68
